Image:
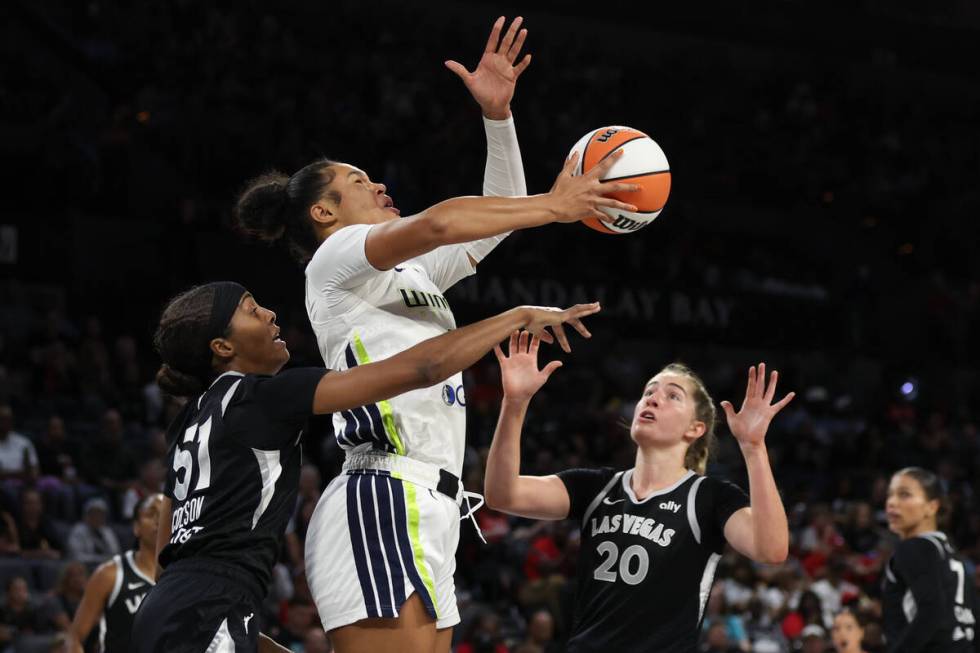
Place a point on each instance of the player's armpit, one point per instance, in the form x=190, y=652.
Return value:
x=534, y=497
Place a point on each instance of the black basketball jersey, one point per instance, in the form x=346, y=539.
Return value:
x=928, y=599
x=645, y=567
x=234, y=468
x=127, y=594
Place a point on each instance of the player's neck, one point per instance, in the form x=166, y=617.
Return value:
x=920, y=529
x=144, y=560
x=656, y=469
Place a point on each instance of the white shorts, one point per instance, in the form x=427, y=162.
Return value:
x=373, y=540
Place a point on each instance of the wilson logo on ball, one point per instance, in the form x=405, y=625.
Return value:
x=643, y=163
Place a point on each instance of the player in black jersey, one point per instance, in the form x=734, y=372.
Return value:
x=235, y=457
x=928, y=599
x=116, y=589
x=651, y=535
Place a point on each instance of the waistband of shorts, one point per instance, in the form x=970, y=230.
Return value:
x=406, y=469
x=221, y=568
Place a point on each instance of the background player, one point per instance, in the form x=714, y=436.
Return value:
x=651, y=535
x=116, y=589
x=928, y=599
x=374, y=287
x=234, y=456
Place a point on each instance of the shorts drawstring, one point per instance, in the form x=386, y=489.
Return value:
x=470, y=509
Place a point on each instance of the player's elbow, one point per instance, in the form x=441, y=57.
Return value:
x=436, y=224
x=774, y=554
x=495, y=498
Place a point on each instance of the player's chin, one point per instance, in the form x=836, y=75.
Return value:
x=642, y=432
x=280, y=354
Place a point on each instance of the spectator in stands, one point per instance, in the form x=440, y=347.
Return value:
x=91, y=540
x=299, y=619
x=20, y=614
x=739, y=588
x=151, y=477
x=813, y=639
x=808, y=612
x=316, y=641
x=716, y=640
x=55, y=451
x=834, y=592
x=483, y=635
x=68, y=593
x=9, y=542
x=718, y=612
x=762, y=630
x=310, y=486
x=18, y=458
x=38, y=536
x=541, y=632
x=110, y=463
x=860, y=531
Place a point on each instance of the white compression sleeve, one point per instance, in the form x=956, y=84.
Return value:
x=503, y=177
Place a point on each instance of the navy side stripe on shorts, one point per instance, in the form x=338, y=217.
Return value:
x=357, y=545
x=386, y=514
x=376, y=556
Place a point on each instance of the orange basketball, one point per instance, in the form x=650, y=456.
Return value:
x=642, y=163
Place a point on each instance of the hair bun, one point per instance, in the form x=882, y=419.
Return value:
x=261, y=208
x=177, y=383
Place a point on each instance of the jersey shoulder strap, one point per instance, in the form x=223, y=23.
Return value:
x=602, y=493
x=130, y=560
x=120, y=573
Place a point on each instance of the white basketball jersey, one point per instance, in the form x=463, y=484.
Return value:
x=361, y=315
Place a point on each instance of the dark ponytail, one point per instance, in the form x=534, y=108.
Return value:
x=178, y=384
x=275, y=207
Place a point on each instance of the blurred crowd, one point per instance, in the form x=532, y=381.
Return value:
x=157, y=112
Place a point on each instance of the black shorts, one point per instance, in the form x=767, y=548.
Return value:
x=198, y=606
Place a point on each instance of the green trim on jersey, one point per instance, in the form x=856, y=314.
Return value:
x=412, y=509
x=387, y=416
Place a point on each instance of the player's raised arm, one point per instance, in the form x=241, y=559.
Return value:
x=435, y=359
x=492, y=86
x=759, y=531
x=505, y=489
x=465, y=219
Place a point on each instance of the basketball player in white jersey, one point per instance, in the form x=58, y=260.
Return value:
x=380, y=552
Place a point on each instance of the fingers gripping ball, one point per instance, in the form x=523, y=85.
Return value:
x=643, y=163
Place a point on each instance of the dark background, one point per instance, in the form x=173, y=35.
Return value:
x=825, y=168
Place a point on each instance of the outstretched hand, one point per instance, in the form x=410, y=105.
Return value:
x=750, y=423
x=582, y=196
x=492, y=83
x=519, y=371
x=540, y=318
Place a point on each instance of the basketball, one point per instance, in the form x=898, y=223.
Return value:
x=642, y=163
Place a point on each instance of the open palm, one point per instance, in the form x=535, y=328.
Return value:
x=492, y=83
x=750, y=423
x=519, y=371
